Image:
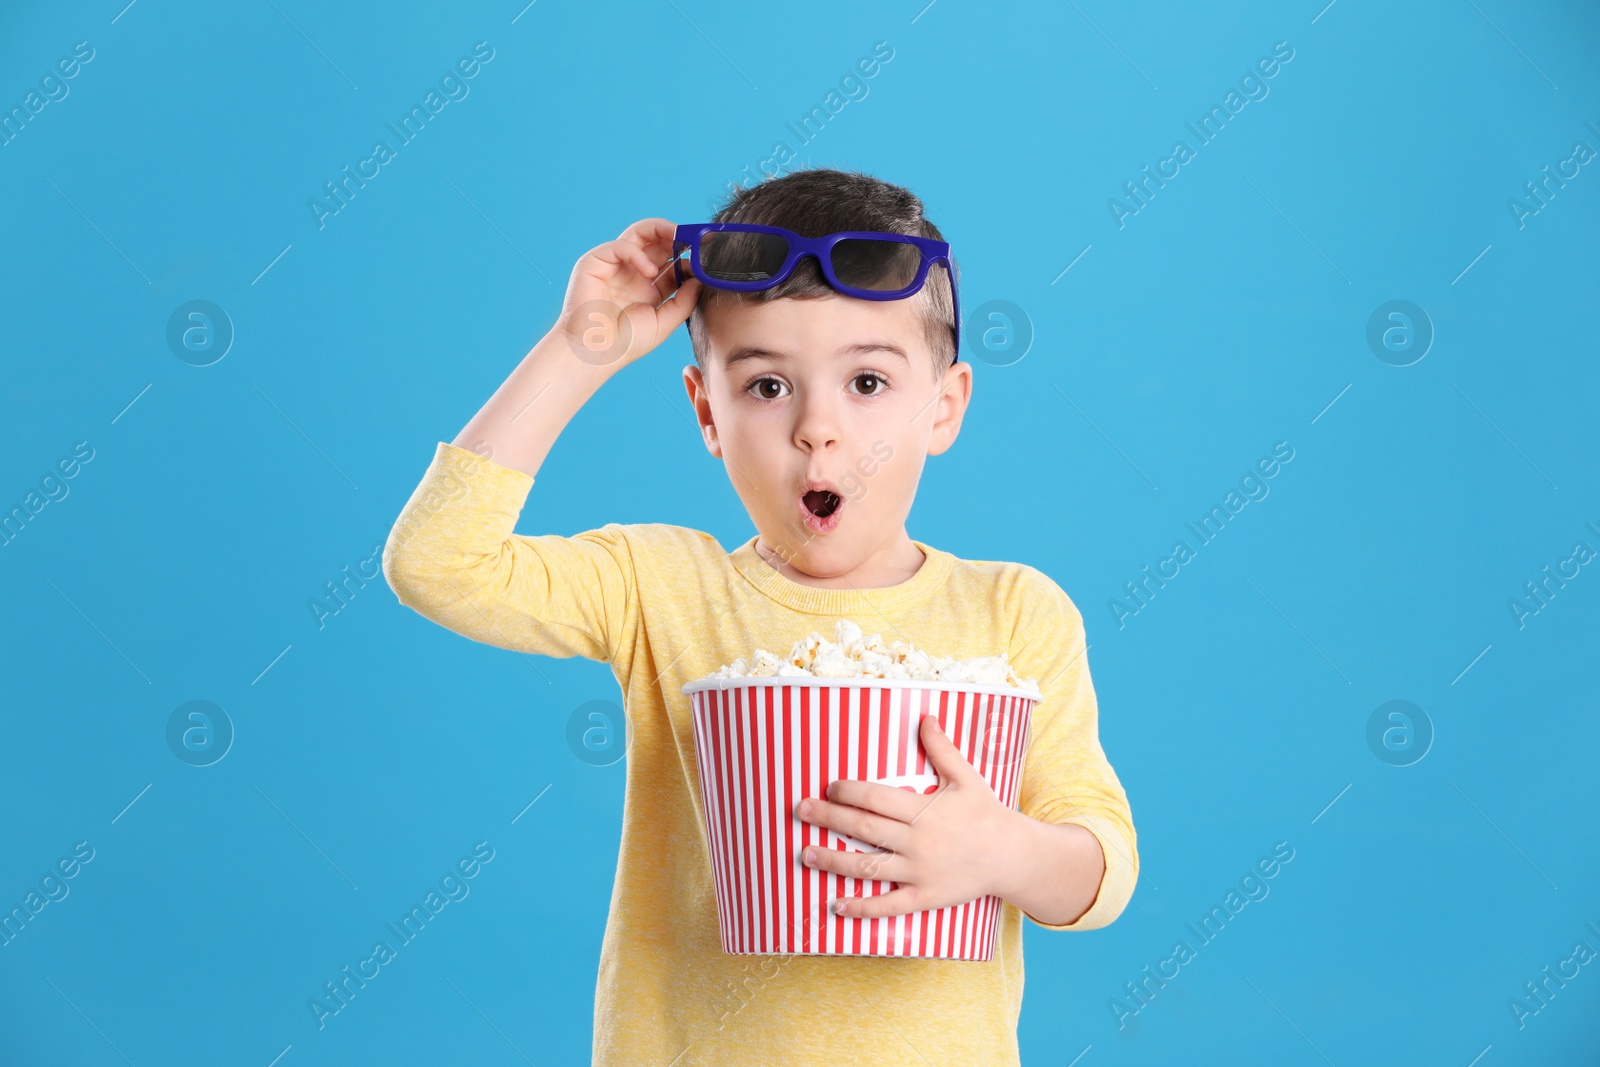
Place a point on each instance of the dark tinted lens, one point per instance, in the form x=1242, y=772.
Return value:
x=882, y=266
x=730, y=255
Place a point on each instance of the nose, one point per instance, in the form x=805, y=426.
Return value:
x=817, y=425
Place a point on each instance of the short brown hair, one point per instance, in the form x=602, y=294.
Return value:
x=815, y=202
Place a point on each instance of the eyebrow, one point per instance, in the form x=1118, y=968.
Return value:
x=748, y=352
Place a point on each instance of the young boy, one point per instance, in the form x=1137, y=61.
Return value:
x=823, y=406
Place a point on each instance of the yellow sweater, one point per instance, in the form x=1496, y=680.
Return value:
x=666, y=605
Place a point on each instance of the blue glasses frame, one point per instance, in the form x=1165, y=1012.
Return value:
x=821, y=249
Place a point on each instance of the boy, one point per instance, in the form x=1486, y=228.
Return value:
x=823, y=407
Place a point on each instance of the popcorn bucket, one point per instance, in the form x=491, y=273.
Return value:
x=764, y=743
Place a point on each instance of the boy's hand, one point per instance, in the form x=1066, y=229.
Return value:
x=954, y=846
x=614, y=311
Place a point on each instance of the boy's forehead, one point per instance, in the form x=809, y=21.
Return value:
x=827, y=327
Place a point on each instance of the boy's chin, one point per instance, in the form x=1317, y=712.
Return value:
x=818, y=556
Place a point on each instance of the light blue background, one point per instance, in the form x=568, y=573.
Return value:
x=1224, y=317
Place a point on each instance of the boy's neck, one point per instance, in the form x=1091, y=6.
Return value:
x=896, y=562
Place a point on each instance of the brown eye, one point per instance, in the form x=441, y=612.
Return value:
x=876, y=380
x=760, y=384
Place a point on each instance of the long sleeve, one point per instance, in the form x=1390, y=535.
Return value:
x=1067, y=778
x=452, y=557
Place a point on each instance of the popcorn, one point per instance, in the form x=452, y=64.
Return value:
x=851, y=655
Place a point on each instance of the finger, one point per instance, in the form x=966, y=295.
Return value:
x=943, y=753
x=646, y=247
x=625, y=258
x=867, y=866
x=648, y=231
x=851, y=821
x=639, y=259
x=887, y=800
x=861, y=825
x=672, y=313
x=653, y=240
x=675, y=311
x=900, y=901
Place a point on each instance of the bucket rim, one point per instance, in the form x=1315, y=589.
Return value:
x=816, y=681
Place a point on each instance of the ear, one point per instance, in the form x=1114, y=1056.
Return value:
x=700, y=400
x=954, y=394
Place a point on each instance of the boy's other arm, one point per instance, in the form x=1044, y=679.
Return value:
x=452, y=555
x=1075, y=854
x=1055, y=871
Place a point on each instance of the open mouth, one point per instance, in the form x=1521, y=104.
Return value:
x=820, y=510
x=822, y=503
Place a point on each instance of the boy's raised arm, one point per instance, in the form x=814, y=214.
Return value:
x=613, y=314
x=452, y=555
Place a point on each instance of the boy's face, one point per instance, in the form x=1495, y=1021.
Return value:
x=833, y=390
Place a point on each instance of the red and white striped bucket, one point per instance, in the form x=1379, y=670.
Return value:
x=766, y=743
